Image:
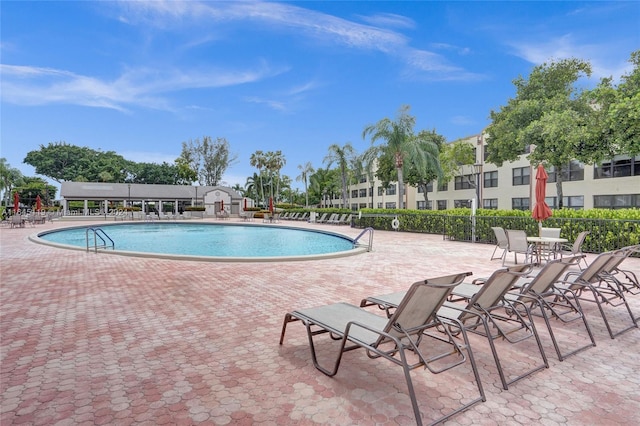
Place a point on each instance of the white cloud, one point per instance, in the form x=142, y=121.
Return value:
x=135, y=87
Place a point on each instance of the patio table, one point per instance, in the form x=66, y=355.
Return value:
x=548, y=244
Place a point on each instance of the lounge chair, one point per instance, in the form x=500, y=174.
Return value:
x=337, y=219
x=303, y=217
x=345, y=220
x=489, y=314
x=332, y=218
x=501, y=242
x=627, y=280
x=395, y=338
x=574, y=249
x=596, y=281
x=553, y=302
x=322, y=218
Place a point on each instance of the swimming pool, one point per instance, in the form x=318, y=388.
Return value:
x=209, y=241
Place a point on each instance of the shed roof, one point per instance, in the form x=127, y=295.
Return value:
x=101, y=191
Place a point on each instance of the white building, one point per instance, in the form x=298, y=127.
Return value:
x=614, y=184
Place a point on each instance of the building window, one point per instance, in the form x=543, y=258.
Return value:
x=362, y=205
x=463, y=182
x=571, y=172
x=424, y=205
x=362, y=179
x=443, y=187
x=461, y=203
x=575, y=202
x=442, y=204
x=490, y=203
x=371, y=191
x=620, y=166
x=491, y=179
x=616, y=201
x=363, y=192
x=520, y=203
x=390, y=205
x=430, y=187
x=354, y=193
x=391, y=190
x=379, y=205
x=521, y=176
x=380, y=191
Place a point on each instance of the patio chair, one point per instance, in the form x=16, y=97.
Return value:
x=562, y=305
x=332, y=218
x=595, y=280
x=501, y=242
x=488, y=314
x=396, y=338
x=575, y=249
x=337, y=219
x=17, y=221
x=518, y=244
x=305, y=216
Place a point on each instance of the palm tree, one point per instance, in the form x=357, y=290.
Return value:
x=305, y=172
x=251, y=187
x=403, y=145
x=259, y=161
x=344, y=156
x=275, y=161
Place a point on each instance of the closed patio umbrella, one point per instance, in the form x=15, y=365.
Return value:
x=221, y=205
x=16, y=203
x=38, y=203
x=541, y=210
x=271, y=204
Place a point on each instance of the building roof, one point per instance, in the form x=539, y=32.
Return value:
x=101, y=191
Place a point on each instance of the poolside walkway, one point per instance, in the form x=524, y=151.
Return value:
x=103, y=339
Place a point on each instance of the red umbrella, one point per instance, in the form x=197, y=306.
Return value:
x=221, y=205
x=16, y=203
x=541, y=210
x=245, y=204
x=38, y=203
x=271, y=204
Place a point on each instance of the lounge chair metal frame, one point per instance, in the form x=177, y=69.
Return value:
x=555, y=303
x=482, y=315
x=603, y=288
x=392, y=338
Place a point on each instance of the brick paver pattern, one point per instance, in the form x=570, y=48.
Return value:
x=105, y=339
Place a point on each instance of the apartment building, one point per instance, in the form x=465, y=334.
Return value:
x=614, y=184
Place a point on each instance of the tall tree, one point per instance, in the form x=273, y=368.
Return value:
x=421, y=176
x=274, y=162
x=618, y=111
x=323, y=184
x=549, y=113
x=10, y=177
x=343, y=156
x=210, y=158
x=401, y=143
x=64, y=162
x=305, y=171
x=259, y=161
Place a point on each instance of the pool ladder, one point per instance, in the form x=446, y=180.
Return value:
x=98, y=233
x=368, y=230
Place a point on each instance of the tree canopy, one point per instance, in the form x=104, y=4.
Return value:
x=401, y=143
x=549, y=114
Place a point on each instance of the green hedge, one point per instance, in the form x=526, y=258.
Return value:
x=609, y=229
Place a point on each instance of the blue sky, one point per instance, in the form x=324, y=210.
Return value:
x=139, y=78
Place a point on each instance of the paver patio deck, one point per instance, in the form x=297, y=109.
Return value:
x=103, y=339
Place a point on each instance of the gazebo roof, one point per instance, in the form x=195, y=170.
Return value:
x=101, y=191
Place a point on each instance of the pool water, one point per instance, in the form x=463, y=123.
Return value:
x=209, y=239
